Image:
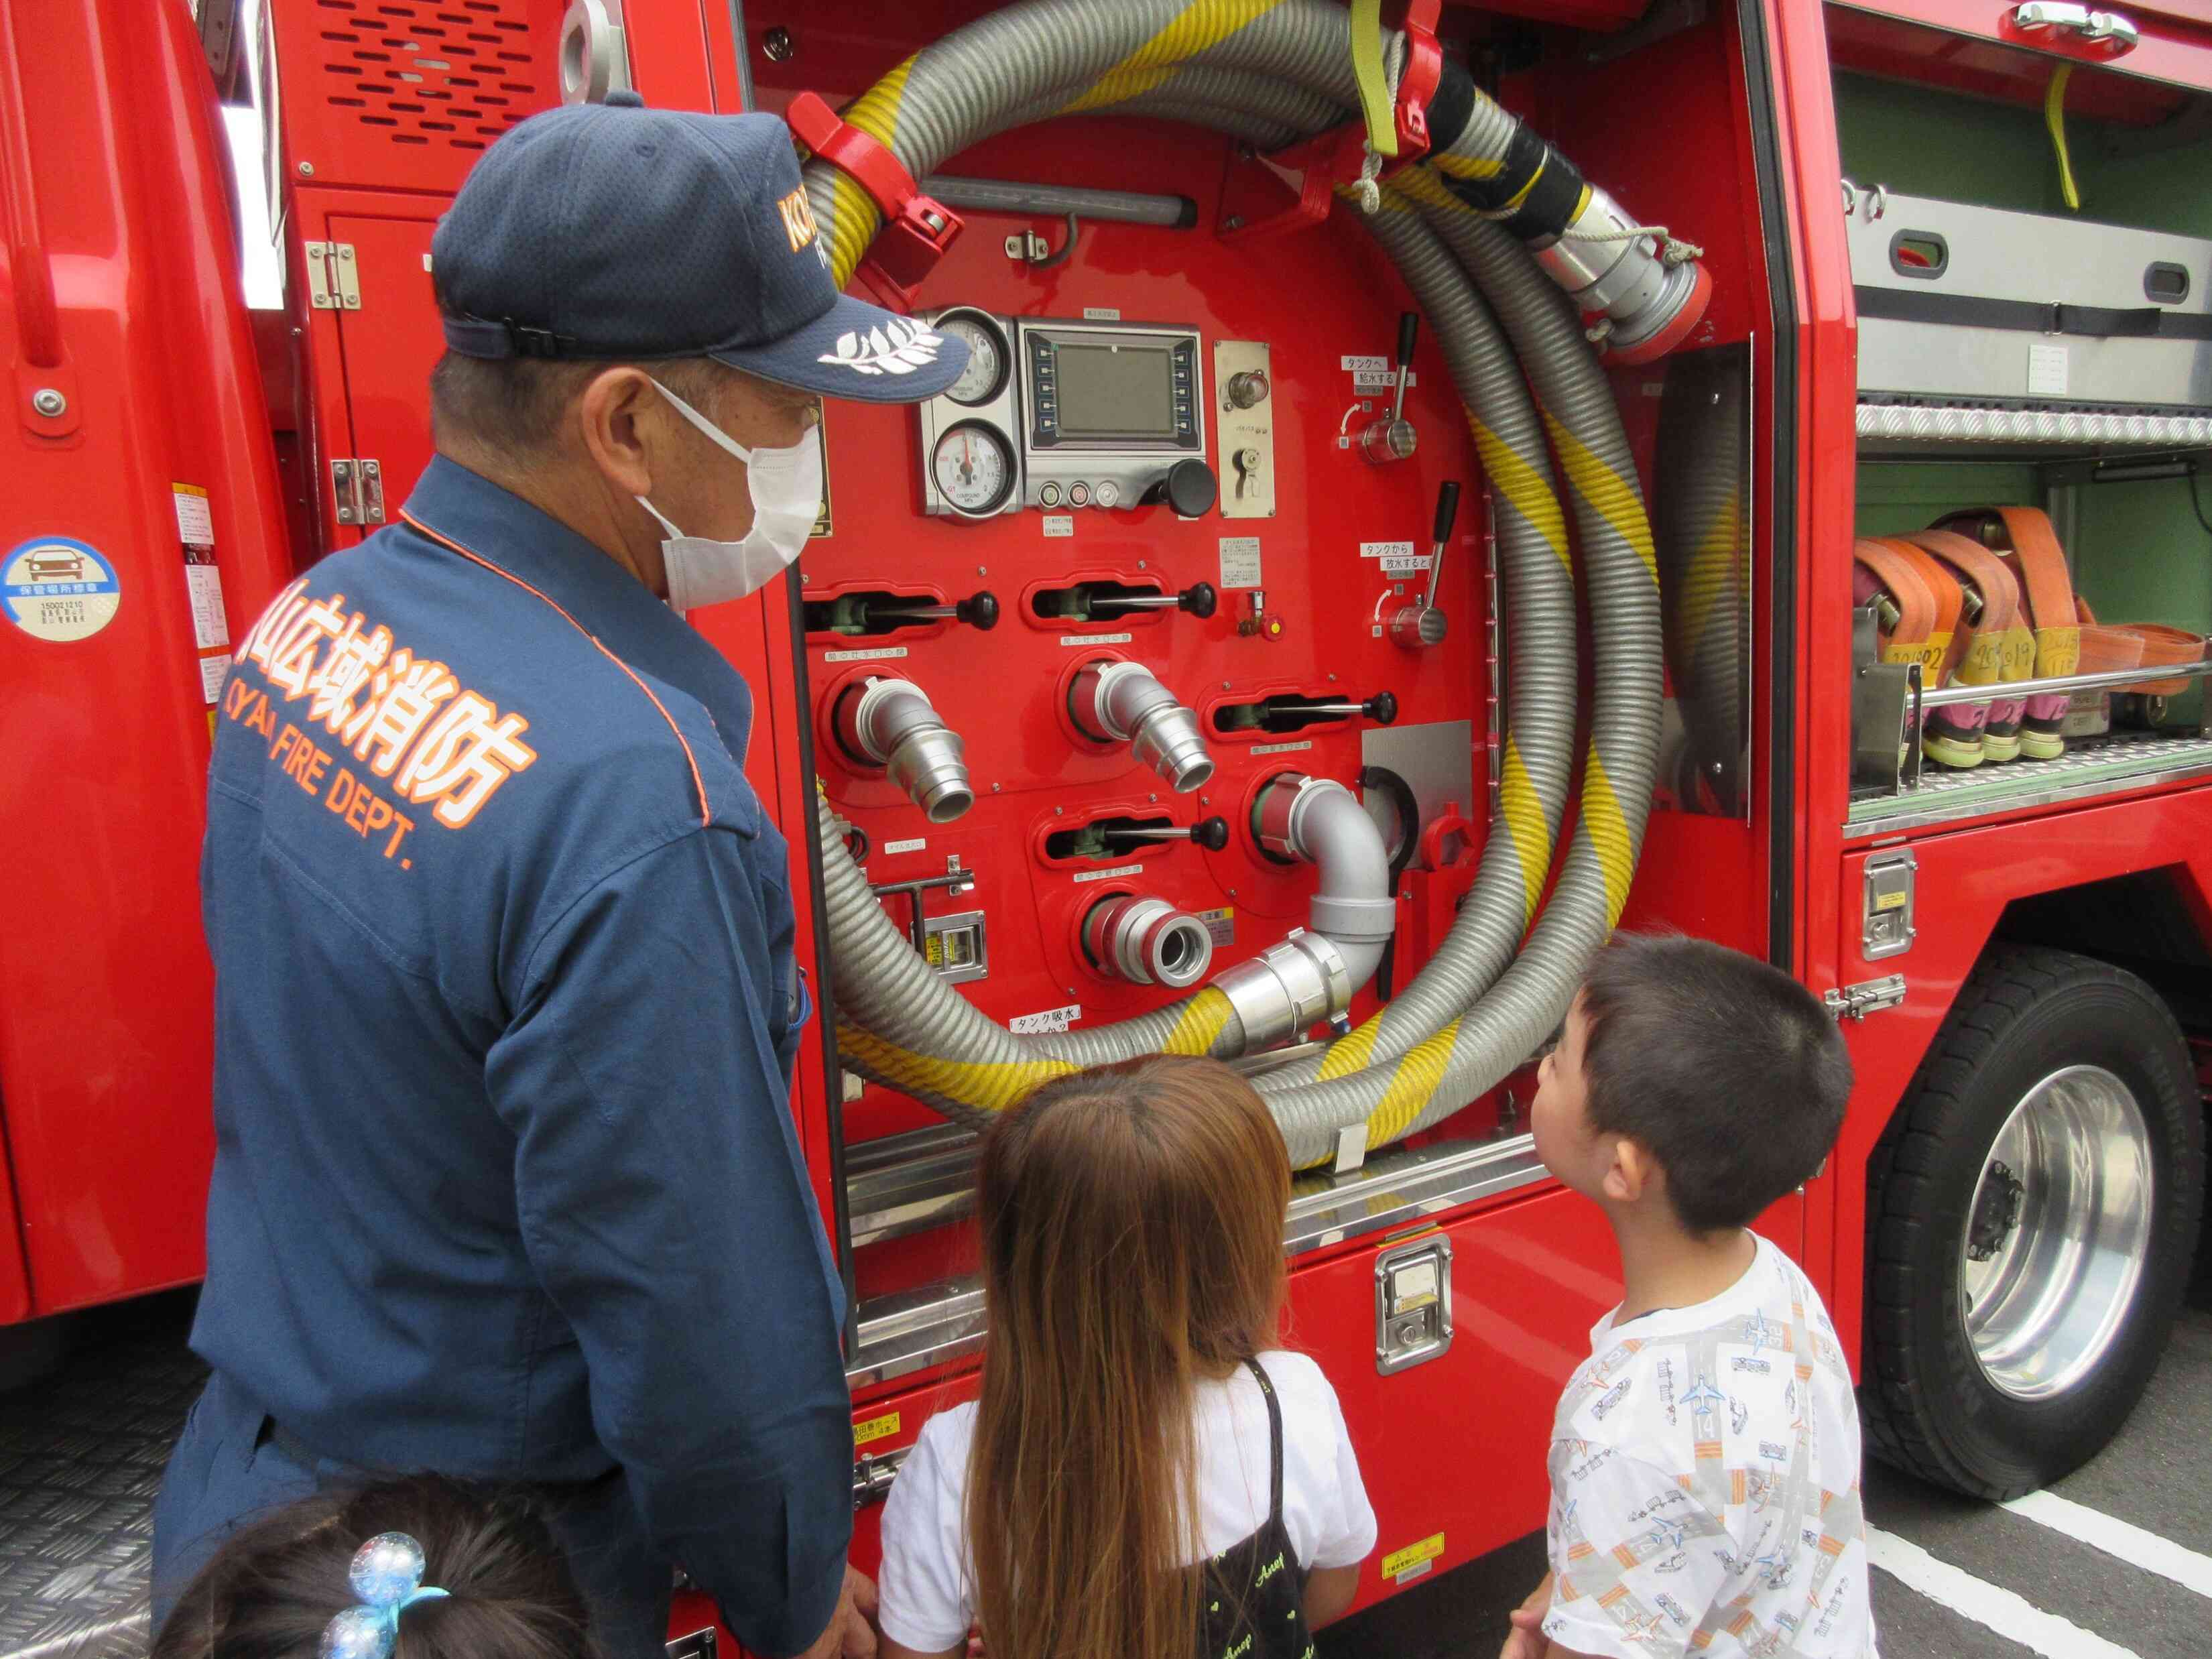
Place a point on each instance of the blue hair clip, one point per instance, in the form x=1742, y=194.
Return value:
x=388, y=1579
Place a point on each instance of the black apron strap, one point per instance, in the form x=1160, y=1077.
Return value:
x=1274, y=1440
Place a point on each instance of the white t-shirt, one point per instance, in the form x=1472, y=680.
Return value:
x=926, y=1584
x=1705, y=1483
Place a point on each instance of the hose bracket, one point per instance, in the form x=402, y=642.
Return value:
x=1252, y=207
x=917, y=228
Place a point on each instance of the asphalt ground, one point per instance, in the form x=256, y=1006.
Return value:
x=2003, y=1584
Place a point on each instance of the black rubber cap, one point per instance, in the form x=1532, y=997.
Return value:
x=1192, y=488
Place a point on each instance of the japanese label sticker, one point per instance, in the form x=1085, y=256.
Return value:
x=1240, y=562
x=195, y=525
x=1051, y=1020
x=57, y=588
x=203, y=588
x=1414, y=1559
x=1381, y=380
x=876, y=1428
x=2046, y=369
x=1220, y=925
x=213, y=671
x=915, y=846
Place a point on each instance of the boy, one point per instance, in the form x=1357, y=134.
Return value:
x=1704, y=1461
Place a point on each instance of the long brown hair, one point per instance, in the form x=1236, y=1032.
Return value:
x=1131, y=1221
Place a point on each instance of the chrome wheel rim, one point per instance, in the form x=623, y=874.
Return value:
x=2058, y=1232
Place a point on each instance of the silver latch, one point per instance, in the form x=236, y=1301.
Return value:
x=1885, y=926
x=333, y=280
x=1867, y=997
x=1413, y=1304
x=872, y=1476
x=2093, y=27
x=359, y=487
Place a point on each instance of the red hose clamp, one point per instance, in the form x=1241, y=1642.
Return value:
x=917, y=230
x=1417, y=82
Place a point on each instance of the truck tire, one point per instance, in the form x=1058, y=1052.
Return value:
x=2019, y=1291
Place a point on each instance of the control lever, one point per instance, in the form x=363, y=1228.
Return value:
x=855, y=613
x=1382, y=708
x=1212, y=834
x=1199, y=600
x=1393, y=439
x=1416, y=626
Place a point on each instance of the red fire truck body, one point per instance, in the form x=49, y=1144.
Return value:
x=189, y=456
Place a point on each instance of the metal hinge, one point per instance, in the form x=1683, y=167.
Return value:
x=359, y=485
x=872, y=1476
x=333, y=280
x=1868, y=996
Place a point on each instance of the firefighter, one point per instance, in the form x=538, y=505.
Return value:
x=507, y=1185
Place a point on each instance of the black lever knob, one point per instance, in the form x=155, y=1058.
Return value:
x=1199, y=599
x=1447, y=510
x=1190, y=488
x=1382, y=708
x=1212, y=834
x=981, y=612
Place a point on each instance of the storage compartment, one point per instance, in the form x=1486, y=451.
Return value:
x=2035, y=331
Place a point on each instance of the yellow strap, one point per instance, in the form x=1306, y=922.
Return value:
x=2054, y=117
x=1376, y=107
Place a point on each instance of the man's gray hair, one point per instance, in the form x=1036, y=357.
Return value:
x=512, y=407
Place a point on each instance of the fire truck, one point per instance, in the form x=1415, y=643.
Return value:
x=1433, y=484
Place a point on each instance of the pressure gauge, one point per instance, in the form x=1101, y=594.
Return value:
x=974, y=469
x=987, y=357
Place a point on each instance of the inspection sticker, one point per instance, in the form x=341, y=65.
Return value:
x=876, y=1428
x=1050, y=1021
x=57, y=588
x=1108, y=875
x=1239, y=560
x=213, y=671
x=1413, y=1560
x=871, y=654
x=2046, y=369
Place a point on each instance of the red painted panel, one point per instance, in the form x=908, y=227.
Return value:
x=104, y=982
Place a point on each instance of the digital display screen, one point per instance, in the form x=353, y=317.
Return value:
x=1115, y=392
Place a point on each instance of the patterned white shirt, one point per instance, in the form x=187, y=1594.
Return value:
x=1705, y=1483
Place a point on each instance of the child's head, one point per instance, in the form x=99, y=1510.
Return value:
x=1691, y=1071
x=272, y=1589
x=1132, y=1229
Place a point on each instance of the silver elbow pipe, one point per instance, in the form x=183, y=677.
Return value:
x=1320, y=821
x=890, y=723
x=1147, y=941
x=1125, y=702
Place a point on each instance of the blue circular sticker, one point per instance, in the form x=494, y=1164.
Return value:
x=56, y=587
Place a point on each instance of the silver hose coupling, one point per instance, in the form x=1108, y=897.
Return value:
x=1287, y=990
x=1125, y=702
x=889, y=722
x=1147, y=941
x=1651, y=305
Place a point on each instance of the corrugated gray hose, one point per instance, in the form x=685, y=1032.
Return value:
x=1268, y=72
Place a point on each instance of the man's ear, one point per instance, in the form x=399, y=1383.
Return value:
x=618, y=417
x=1632, y=1171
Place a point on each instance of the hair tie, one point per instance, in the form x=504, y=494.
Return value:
x=388, y=1579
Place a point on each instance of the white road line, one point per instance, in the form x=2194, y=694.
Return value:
x=2116, y=1538
x=2010, y=1616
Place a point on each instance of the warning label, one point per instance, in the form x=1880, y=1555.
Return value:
x=195, y=526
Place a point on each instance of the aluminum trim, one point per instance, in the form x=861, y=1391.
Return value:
x=1960, y=423
x=2180, y=760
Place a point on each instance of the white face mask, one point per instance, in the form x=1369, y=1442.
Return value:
x=787, y=491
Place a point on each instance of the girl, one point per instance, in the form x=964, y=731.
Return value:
x=419, y=1567
x=1145, y=1476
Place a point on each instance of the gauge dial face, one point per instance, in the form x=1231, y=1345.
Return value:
x=986, y=359
x=974, y=469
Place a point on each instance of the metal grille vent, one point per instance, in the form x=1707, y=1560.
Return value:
x=443, y=74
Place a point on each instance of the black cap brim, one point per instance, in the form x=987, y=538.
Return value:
x=857, y=351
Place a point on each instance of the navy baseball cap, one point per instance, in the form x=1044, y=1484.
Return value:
x=615, y=231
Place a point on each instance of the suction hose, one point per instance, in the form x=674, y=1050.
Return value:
x=1269, y=69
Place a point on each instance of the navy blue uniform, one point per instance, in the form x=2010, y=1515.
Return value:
x=506, y=1184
